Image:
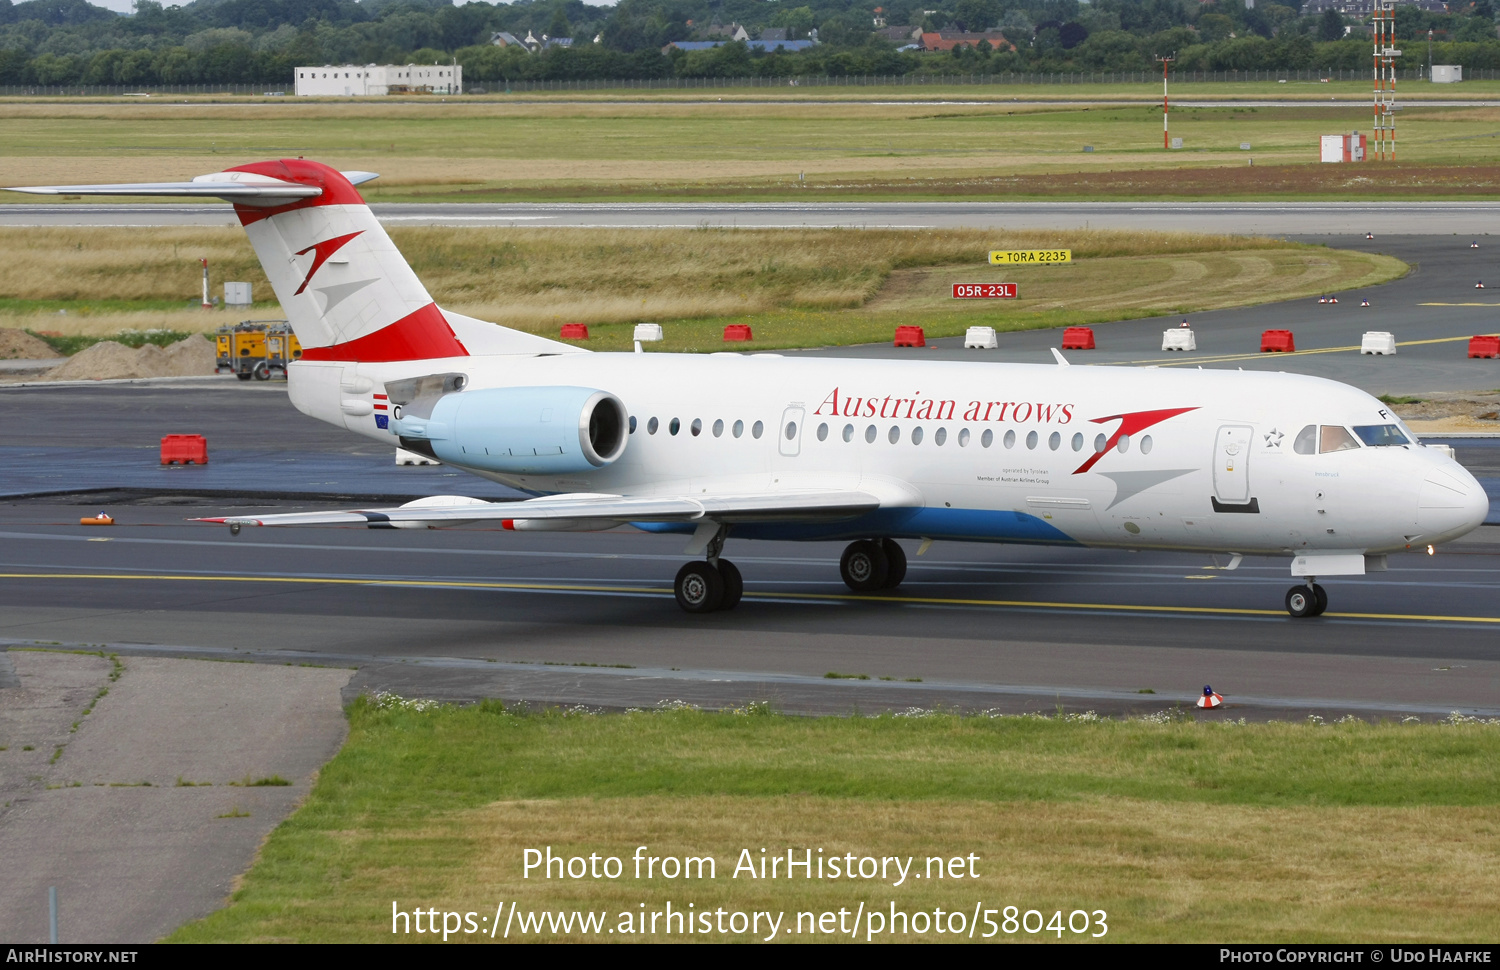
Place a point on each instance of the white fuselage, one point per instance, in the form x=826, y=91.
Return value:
x=987, y=451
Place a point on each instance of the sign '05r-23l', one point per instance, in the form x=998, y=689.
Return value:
x=723, y=446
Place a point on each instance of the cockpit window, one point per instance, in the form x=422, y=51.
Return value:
x=1381, y=435
x=1307, y=441
x=1333, y=437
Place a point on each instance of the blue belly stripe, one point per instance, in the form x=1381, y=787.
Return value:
x=974, y=525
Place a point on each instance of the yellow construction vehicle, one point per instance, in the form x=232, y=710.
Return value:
x=256, y=348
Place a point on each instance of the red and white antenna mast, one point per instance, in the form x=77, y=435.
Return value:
x=1384, y=31
x=1166, y=108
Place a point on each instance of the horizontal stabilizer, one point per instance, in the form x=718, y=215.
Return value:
x=245, y=188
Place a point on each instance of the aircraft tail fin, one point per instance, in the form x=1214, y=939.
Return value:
x=346, y=290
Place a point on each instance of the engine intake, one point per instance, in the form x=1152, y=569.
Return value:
x=521, y=430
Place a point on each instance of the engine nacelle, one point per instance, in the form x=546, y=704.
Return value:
x=522, y=430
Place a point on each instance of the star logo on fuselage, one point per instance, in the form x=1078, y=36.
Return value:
x=1273, y=438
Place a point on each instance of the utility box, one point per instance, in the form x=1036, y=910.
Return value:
x=1342, y=148
x=1447, y=73
x=237, y=294
x=980, y=338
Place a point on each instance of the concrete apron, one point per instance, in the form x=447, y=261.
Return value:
x=144, y=817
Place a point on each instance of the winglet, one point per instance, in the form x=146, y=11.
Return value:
x=1061, y=360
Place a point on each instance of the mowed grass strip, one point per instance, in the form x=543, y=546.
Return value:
x=1180, y=831
x=796, y=288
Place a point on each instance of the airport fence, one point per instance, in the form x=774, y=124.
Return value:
x=705, y=83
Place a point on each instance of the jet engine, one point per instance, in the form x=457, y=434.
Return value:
x=513, y=430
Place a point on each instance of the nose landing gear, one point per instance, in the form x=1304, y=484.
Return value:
x=1309, y=600
x=873, y=564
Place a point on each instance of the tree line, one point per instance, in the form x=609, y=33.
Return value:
x=60, y=42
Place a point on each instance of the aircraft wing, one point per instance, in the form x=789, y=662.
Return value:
x=456, y=510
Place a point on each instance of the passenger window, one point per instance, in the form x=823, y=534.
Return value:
x=988, y=438
x=739, y=428
x=894, y=435
x=1100, y=443
x=916, y=436
x=963, y=437
x=848, y=432
x=1333, y=437
x=791, y=430
x=675, y=426
x=1054, y=440
x=697, y=427
x=651, y=426
x=822, y=432
x=757, y=429
x=632, y=424
x=719, y=428
x=939, y=436
x=1146, y=445
x=1307, y=441
x=1010, y=439
x=1123, y=444
x=870, y=434
x=1078, y=441
x=1031, y=440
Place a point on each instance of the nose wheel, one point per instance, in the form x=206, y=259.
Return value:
x=1304, y=601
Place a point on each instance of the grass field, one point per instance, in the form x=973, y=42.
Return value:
x=1179, y=831
x=664, y=148
x=794, y=287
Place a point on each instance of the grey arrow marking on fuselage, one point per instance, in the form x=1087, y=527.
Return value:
x=339, y=292
x=1128, y=484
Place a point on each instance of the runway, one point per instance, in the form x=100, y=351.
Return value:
x=1250, y=218
x=570, y=619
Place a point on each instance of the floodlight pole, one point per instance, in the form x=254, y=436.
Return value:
x=1166, y=108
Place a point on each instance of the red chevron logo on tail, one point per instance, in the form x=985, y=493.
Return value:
x=321, y=251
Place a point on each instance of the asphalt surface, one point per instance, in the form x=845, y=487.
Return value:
x=1250, y=218
x=562, y=618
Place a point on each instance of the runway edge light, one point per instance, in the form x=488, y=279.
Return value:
x=1209, y=700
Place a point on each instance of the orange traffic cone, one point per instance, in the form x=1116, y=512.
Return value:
x=1209, y=700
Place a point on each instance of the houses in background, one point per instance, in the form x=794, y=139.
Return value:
x=946, y=40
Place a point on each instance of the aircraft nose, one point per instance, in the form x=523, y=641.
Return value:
x=1451, y=503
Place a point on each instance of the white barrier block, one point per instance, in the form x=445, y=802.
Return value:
x=980, y=338
x=1377, y=342
x=404, y=457
x=648, y=331
x=1178, y=339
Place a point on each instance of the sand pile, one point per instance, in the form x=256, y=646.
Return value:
x=20, y=345
x=108, y=360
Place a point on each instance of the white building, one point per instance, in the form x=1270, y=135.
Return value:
x=355, y=80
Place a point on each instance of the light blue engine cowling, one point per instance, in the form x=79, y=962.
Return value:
x=524, y=430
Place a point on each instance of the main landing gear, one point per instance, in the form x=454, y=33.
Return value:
x=872, y=564
x=713, y=584
x=1309, y=600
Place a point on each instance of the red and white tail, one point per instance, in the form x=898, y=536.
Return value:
x=347, y=292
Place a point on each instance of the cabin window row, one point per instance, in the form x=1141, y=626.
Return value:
x=916, y=436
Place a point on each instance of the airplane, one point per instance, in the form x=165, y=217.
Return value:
x=765, y=446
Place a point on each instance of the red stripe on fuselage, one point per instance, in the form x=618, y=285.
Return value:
x=417, y=336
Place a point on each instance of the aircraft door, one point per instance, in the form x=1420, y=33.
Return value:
x=1232, y=464
x=789, y=434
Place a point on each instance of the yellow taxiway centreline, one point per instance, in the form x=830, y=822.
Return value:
x=659, y=591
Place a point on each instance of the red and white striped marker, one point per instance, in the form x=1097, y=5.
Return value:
x=1209, y=700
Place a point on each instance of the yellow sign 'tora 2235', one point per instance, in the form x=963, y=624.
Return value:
x=1011, y=257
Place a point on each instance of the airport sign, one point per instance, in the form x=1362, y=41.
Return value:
x=1011, y=257
x=984, y=291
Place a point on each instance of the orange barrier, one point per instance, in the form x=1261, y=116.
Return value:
x=1078, y=338
x=910, y=337
x=1277, y=342
x=1484, y=346
x=575, y=331
x=184, y=449
x=738, y=331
